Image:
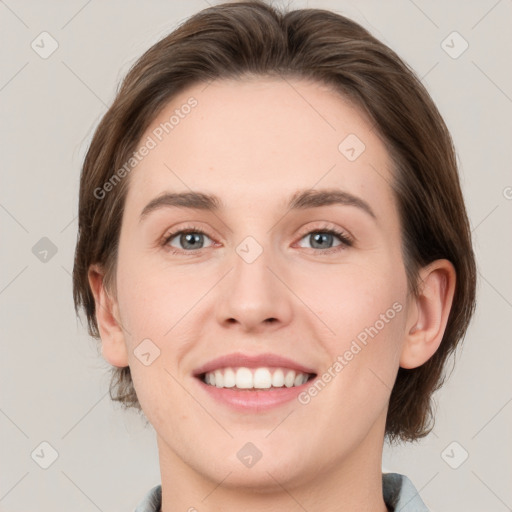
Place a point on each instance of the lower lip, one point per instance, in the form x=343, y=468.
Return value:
x=253, y=401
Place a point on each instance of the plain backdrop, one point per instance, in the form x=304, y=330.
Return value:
x=54, y=386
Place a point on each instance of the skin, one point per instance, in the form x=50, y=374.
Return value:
x=254, y=143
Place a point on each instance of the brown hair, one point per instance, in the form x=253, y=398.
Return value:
x=238, y=39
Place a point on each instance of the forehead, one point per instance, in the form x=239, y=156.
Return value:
x=263, y=135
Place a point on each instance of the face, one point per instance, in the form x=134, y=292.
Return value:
x=278, y=269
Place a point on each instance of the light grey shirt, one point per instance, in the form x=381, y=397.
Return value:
x=400, y=495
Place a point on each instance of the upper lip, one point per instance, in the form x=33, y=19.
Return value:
x=251, y=361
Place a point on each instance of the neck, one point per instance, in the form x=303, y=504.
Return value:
x=352, y=483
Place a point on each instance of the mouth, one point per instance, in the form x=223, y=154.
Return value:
x=253, y=383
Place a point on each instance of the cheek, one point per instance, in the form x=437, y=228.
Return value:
x=145, y=309
x=149, y=305
x=158, y=306
x=365, y=305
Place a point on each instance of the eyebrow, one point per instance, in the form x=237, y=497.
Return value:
x=301, y=200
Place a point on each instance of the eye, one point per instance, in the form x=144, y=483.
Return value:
x=188, y=240
x=191, y=239
x=322, y=239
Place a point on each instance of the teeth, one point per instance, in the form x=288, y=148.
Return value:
x=298, y=380
x=219, y=379
x=255, y=378
x=229, y=378
x=243, y=378
x=262, y=378
x=278, y=378
x=289, y=379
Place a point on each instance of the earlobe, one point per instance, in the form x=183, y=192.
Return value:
x=113, y=343
x=428, y=314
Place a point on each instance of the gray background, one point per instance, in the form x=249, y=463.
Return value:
x=54, y=386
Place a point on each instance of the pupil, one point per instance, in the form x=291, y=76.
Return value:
x=189, y=238
x=319, y=237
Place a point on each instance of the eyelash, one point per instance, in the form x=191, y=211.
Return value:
x=345, y=239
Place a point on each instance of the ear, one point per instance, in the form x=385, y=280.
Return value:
x=107, y=314
x=428, y=313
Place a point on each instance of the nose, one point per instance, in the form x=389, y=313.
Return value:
x=254, y=296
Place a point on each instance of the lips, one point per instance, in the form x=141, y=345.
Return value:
x=251, y=361
x=253, y=383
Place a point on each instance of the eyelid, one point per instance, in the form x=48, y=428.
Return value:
x=329, y=226
x=184, y=229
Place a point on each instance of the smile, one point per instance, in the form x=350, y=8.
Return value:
x=255, y=378
x=252, y=383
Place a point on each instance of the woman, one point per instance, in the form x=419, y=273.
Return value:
x=275, y=252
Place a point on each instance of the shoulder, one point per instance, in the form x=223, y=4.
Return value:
x=400, y=494
x=152, y=501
